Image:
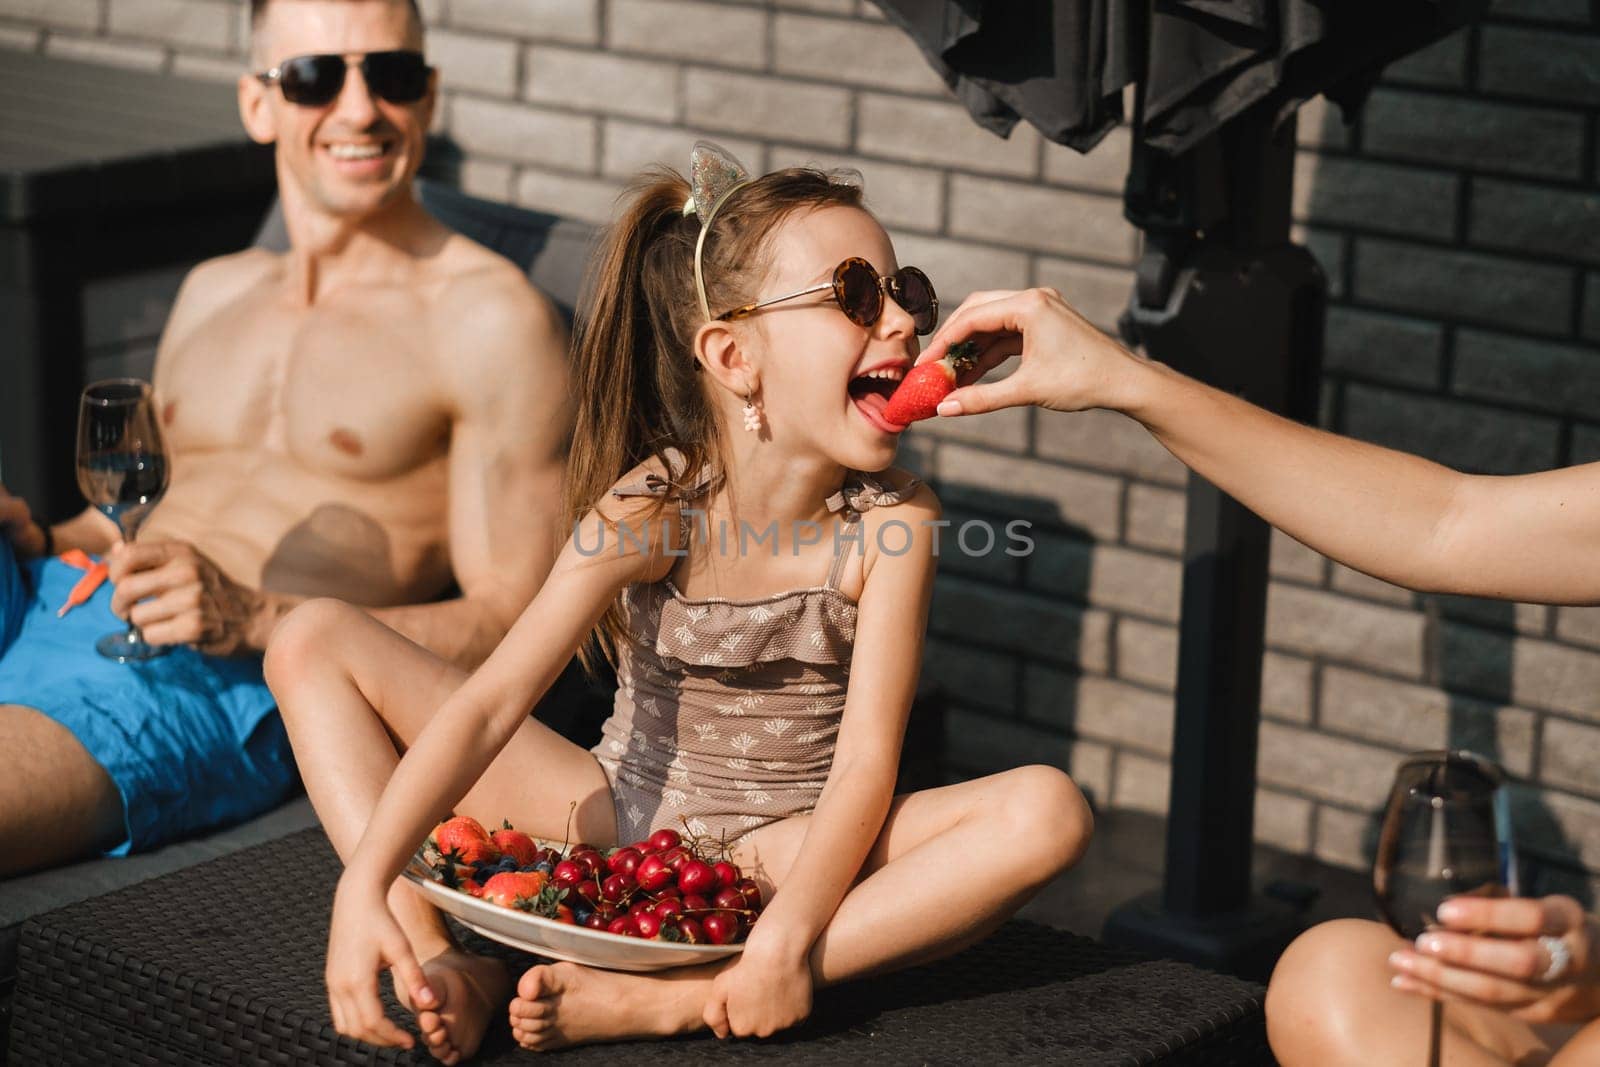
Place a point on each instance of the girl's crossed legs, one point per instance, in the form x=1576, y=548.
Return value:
x=912, y=903
x=354, y=695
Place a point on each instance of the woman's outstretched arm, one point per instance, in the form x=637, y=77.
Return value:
x=1389, y=514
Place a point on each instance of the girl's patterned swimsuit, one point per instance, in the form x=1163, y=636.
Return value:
x=727, y=711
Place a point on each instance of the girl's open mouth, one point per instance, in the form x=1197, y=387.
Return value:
x=870, y=392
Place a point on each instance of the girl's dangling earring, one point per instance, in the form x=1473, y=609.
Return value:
x=752, y=413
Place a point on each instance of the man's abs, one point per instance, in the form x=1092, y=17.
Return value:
x=309, y=445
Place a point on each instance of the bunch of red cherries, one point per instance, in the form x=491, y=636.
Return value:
x=663, y=887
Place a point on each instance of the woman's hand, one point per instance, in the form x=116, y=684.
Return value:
x=766, y=991
x=1488, y=953
x=1067, y=363
x=365, y=939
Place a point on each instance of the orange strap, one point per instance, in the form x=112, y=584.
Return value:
x=95, y=573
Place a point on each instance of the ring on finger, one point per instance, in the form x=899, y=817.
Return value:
x=1560, y=958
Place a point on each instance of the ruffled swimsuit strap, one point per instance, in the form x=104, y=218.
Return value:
x=675, y=488
x=860, y=493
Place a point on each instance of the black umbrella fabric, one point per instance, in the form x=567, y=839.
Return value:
x=1061, y=65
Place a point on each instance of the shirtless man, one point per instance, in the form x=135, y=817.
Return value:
x=375, y=413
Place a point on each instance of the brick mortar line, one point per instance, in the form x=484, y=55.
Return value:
x=1530, y=102
x=1517, y=332
x=1469, y=400
x=1520, y=257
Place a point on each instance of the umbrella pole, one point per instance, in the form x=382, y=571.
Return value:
x=1225, y=297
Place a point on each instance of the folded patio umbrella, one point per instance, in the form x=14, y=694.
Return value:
x=1061, y=65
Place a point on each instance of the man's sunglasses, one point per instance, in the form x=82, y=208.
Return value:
x=399, y=77
x=860, y=289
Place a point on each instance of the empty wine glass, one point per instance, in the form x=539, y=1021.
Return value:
x=1446, y=832
x=122, y=470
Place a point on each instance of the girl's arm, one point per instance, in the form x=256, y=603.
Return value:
x=849, y=816
x=452, y=752
x=478, y=719
x=1392, y=515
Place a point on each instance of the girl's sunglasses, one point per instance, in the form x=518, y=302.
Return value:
x=399, y=77
x=859, y=290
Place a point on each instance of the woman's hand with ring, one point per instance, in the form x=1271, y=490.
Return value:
x=1538, y=959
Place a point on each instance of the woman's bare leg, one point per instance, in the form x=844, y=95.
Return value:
x=1583, y=1048
x=354, y=695
x=1330, y=1005
x=1022, y=828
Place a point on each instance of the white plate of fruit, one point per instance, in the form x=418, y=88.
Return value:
x=660, y=902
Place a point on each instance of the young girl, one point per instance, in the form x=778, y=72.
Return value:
x=763, y=600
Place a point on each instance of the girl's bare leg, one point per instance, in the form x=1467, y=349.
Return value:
x=1021, y=828
x=354, y=695
x=1330, y=1005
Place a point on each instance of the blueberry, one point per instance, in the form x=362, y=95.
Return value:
x=545, y=867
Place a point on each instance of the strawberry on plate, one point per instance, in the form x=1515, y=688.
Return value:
x=512, y=889
x=464, y=839
x=927, y=384
x=516, y=844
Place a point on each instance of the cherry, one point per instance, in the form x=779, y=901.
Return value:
x=729, y=899
x=567, y=874
x=727, y=874
x=643, y=907
x=662, y=840
x=697, y=877
x=647, y=925
x=751, y=893
x=677, y=857
x=607, y=911
x=596, y=921
x=589, y=890
x=695, y=902
x=721, y=927
x=692, y=931
x=668, y=909
x=624, y=861
x=642, y=847
x=668, y=891
x=591, y=861
x=653, y=873
x=616, y=887
x=622, y=924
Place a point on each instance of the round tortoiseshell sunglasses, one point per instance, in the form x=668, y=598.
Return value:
x=859, y=290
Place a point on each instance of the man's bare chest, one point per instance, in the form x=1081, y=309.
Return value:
x=344, y=391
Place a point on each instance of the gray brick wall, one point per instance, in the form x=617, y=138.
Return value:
x=1458, y=220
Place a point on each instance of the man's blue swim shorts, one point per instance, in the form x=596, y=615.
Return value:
x=193, y=742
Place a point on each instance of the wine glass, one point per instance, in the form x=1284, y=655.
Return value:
x=122, y=470
x=1446, y=832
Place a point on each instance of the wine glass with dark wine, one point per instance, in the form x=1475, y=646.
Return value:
x=1446, y=832
x=122, y=470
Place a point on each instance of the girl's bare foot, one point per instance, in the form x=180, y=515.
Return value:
x=561, y=1004
x=468, y=988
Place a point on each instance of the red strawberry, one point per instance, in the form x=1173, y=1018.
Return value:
x=516, y=844
x=466, y=837
x=926, y=385
x=509, y=889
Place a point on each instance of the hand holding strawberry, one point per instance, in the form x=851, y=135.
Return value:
x=929, y=383
x=1065, y=364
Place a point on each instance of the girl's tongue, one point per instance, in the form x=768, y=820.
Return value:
x=870, y=395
